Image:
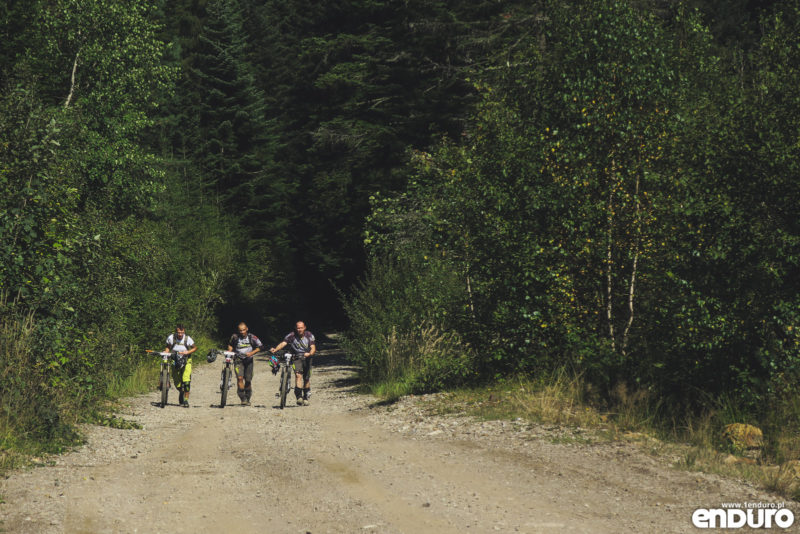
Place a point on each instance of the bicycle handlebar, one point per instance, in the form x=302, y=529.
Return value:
x=161, y=353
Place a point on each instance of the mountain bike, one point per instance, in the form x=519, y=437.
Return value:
x=168, y=359
x=225, y=382
x=286, y=376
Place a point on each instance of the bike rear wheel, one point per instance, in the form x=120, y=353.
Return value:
x=226, y=380
x=164, y=385
x=285, y=378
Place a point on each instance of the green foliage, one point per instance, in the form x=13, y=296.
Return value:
x=398, y=329
x=621, y=205
x=37, y=219
x=609, y=187
x=31, y=415
x=103, y=247
x=103, y=65
x=216, y=129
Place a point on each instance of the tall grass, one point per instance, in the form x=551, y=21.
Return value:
x=31, y=415
x=140, y=379
x=41, y=403
x=556, y=398
x=418, y=361
x=142, y=375
x=399, y=333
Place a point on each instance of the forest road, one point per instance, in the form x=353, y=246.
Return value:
x=347, y=464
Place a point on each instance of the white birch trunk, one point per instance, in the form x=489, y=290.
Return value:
x=72, y=80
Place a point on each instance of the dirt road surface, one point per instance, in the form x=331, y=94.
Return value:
x=347, y=464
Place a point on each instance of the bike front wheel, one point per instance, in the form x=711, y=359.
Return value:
x=285, y=380
x=226, y=380
x=164, y=383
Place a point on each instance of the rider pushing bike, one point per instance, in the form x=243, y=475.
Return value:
x=245, y=345
x=181, y=343
x=303, y=345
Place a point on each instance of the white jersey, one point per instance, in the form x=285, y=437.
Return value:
x=179, y=345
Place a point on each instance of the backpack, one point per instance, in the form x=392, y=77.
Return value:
x=174, y=342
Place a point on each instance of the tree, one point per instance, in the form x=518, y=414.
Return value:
x=608, y=209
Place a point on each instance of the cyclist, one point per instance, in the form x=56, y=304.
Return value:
x=246, y=345
x=303, y=345
x=181, y=343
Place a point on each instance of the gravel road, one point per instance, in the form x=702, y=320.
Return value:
x=347, y=464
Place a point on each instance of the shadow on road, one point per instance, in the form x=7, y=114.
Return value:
x=332, y=358
x=329, y=356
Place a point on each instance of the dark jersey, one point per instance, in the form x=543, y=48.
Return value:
x=300, y=345
x=244, y=344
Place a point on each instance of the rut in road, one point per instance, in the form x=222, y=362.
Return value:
x=345, y=464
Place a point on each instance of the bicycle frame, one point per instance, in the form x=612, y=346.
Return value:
x=225, y=377
x=286, y=377
x=167, y=361
x=164, y=375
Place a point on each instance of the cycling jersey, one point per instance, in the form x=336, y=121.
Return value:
x=244, y=344
x=179, y=345
x=300, y=345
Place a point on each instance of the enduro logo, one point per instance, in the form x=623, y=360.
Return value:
x=752, y=515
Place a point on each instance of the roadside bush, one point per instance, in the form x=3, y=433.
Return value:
x=427, y=359
x=399, y=327
x=31, y=416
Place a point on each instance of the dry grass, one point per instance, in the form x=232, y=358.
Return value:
x=422, y=360
x=780, y=479
x=695, y=444
x=558, y=401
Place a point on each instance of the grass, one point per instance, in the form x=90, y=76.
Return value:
x=694, y=444
x=578, y=439
x=144, y=377
x=19, y=447
x=390, y=391
x=557, y=400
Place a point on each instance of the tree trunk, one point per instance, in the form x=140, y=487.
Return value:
x=72, y=80
x=632, y=284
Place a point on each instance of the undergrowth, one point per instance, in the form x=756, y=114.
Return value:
x=40, y=410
